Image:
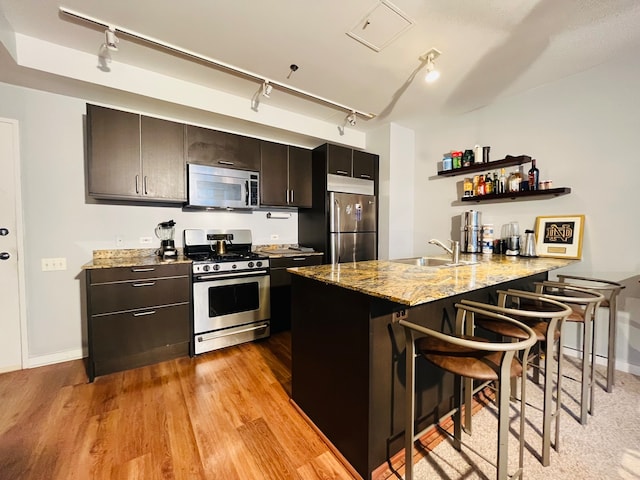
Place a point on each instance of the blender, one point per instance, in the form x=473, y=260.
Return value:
x=165, y=232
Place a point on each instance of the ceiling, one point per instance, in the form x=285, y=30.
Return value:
x=490, y=49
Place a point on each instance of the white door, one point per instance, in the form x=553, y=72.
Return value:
x=10, y=339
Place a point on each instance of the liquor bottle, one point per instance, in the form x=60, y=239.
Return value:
x=481, y=185
x=496, y=188
x=534, y=176
x=502, y=182
x=488, y=185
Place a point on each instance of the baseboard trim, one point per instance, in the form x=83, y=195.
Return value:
x=58, y=357
x=620, y=366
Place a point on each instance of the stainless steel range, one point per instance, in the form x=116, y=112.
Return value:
x=230, y=288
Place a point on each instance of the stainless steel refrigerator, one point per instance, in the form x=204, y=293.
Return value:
x=352, y=227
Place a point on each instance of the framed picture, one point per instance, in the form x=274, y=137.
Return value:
x=559, y=236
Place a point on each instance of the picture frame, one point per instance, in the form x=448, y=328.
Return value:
x=559, y=236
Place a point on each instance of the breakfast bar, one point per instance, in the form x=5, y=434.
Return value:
x=348, y=356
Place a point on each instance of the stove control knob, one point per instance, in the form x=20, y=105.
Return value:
x=234, y=266
x=216, y=267
x=258, y=264
x=250, y=264
x=205, y=268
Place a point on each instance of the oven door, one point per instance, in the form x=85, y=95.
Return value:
x=229, y=300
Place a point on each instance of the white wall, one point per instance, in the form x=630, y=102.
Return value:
x=583, y=131
x=58, y=222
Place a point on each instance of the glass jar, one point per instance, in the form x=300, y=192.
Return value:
x=468, y=187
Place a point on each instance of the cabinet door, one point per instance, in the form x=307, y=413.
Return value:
x=339, y=160
x=221, y=149
x=163, y=164
x=273, y=174
x=300, y=177
x=113, y=153
x=364, y=165
x=132, y=333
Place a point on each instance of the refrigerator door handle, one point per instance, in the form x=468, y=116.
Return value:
x=335, y=249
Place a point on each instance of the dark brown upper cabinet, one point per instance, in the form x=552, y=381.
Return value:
x=351, y=163
x=364, y=165
x=339, y=160
x=134, y=157
x=222, y=149
x=285, y=175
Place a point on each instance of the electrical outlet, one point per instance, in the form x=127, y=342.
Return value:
x=51, y=264
x=275, y=236
x=146, y=240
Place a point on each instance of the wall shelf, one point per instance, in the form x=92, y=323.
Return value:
x=508, y=161
x=527, y=194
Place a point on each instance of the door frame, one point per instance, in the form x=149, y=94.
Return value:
x=22, y=303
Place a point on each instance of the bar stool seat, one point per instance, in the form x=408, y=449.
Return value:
x=584, y=304
x=467, y=356
x=610, y=291
x=545, y=317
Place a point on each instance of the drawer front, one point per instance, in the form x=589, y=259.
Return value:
x=279, y=275
x=102, y=275
x=123, y=334
x=136, y=294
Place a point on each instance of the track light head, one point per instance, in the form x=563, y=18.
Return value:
x=266, y=89
x=351, y=119
x=111, y=41
x=428, y=58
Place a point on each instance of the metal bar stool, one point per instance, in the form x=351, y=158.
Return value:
x=545, y=317
x=584, y=304
x=472, y=357
x=610, y=291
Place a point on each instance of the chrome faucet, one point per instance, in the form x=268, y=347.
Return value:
x=454, y=251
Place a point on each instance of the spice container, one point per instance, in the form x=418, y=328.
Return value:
x=456, y=158
x=467, y=158
x=447, y=163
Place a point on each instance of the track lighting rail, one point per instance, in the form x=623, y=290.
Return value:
x=211, y=61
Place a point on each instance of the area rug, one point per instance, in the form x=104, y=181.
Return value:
x=607, y=447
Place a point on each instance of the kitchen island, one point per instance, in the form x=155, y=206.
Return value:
x=348, y=356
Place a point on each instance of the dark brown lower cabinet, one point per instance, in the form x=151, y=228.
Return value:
x=137, y=316
x=281, y=288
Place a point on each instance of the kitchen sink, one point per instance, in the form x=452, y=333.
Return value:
x=432, y=262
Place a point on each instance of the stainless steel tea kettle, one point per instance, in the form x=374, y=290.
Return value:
x=528, y=244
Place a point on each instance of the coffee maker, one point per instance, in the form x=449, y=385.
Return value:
x=165, y=231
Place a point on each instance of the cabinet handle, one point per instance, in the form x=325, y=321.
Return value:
x=342, y=172
x=299, y=259
x=140, y=314
x=363, y=175
x=146, y=284
x=225, y=162
x=144, y=183
x=291, y=196
x=137, y=188
x=150, y=269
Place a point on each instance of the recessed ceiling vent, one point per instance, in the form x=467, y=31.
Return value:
x=380, y=26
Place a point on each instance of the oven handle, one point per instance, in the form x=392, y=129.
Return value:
x=210, y=336
x=253, y=273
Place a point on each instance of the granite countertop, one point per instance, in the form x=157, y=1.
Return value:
x=276, y=251
x=129, y=258
x=413, y=285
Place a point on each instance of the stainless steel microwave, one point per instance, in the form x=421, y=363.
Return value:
x=216, y=187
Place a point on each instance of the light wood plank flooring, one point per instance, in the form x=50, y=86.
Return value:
x=223, y=415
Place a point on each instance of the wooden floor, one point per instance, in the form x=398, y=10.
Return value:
x=223, y=415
